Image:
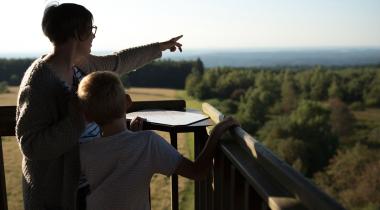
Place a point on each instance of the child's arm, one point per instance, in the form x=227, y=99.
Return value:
x=200, y=168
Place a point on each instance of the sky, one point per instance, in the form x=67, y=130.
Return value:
x=205, y=24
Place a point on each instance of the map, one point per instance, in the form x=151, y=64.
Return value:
x=165, y=117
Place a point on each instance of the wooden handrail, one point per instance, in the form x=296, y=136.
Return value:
x=8, y=113
x=8, y=124
x=287, y=178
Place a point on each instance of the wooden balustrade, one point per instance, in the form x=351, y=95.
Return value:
x=246, y=175
x=8, y=123
x=249, y=176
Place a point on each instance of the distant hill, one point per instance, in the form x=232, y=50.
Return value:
x=291, y=57
x=266, y=57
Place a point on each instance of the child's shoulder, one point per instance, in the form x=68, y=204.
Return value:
x=140, y=133
x=146, y=134
x=125, y=138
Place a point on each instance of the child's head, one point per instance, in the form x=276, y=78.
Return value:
x=102, y=97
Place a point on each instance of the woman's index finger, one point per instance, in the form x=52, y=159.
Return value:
x=177, y=38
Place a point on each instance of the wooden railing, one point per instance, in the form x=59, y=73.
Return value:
x=8, y=123
x=246, y=175
x=249, y=176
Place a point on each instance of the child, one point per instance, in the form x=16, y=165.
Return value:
x=120, y=164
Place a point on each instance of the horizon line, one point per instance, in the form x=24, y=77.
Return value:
x=25, y=54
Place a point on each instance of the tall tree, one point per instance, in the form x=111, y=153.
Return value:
x=372, y=96
x=342, y=120
x=288, y=93
x=320, y=82
x=335, y=90
x=253, y=108
x=3, y=87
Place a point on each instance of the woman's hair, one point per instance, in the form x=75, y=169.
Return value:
x=64, y=21
x=102, y=97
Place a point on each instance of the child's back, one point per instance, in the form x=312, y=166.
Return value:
x=119, y=168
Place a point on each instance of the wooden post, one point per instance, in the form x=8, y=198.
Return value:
x=232, y=188
x=247, y=196
x=226, y=183
x=3, y=190
x=218, y=180
x=239, y=190
x=200, y=137
x=174, y=177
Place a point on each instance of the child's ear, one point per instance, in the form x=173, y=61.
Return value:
x=128, y=102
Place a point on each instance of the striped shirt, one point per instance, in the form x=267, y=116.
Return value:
x=92, y=129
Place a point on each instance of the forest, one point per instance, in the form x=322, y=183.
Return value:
x=322, y=120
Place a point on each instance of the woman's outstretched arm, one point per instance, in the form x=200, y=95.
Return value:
x=129, y=59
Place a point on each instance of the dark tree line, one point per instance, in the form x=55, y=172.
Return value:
x=162, y=73
x=351, y=85
x=12, y=70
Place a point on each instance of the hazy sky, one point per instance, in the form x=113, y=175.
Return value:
x=205, y=24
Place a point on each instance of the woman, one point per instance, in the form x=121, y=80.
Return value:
x=48, y=122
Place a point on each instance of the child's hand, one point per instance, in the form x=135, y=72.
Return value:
x=223, y=126
x=171, y=44
x=137, y=124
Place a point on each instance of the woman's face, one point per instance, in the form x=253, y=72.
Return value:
x=85, y=43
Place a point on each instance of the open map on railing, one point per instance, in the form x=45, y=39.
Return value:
x=165, y=117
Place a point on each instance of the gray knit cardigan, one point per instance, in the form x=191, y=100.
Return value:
x=48, y=126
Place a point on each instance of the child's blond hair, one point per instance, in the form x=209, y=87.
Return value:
x=102, y=97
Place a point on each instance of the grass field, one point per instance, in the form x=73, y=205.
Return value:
x=160, y=186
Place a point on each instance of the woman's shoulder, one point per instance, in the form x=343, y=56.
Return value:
x=39, y=75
